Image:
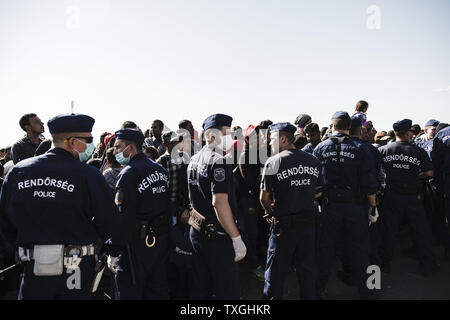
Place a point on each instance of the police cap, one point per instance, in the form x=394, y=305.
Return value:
x=70, y=122
x=341, y=115
x=431, y=123
x=217, y=120
x=402, y=125
x=283, y=126
x=130, y=135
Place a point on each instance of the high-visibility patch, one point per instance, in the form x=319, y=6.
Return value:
x=219, y=174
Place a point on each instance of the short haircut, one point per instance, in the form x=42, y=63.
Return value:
x=354, y=130
x=416, y=129
x=111, y=157
x=147, y=133
x=25, y=120
x=289, y=136
x=183, y=124
x=323, y=131
x=362, y=106
x=137, y=145
x=95, y=162
x=160, y=123
x=153, y=152
x=265, y=124
x=401, y=134
x=129, y=125
x=102, y=137
x=300, y=141
x=312, y=127
x=342, y=124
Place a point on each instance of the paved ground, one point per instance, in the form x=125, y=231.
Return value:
x=403, y=282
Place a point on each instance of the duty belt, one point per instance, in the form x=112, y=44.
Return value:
x=204, y=226
x=284, y=223
x=148, y=229
x=26, y=254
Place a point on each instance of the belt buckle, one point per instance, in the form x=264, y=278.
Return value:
x=72, y=256
x=70, y=251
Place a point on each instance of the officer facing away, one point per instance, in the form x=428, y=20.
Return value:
x=441, y=165
x=405, y=164
x=142, y=197
x=214, y=236
x=349, y=174
x=55, y=207
x=290, y=178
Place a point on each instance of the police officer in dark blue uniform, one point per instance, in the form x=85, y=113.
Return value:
x=374, y=233
x=441, y=164
x=142, y=197
x=404, y=164
x=288, y=190
x=432, y=200
x=214, y=235
x=55, y=207
x=349, y=176
x=426, y=141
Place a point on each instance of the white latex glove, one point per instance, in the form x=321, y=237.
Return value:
x=374, y=216
x=240, y=249
x=113, y=264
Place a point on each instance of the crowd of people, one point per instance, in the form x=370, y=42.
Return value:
x=327, y=178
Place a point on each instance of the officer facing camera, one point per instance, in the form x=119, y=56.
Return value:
x=215, y=238
x=142, y=197
x=55, y=208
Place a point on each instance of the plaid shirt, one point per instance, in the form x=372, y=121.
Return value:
x=169, y=164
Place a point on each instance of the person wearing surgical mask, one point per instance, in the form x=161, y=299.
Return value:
x=216, y=240
x=53, y=208
x=142, y=196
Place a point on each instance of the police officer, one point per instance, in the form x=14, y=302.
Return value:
x=404, y=164
x=426, y=141
x=214, y=235
x=441, y=165
x=142, y=197
x=290, y=178
x=55, y=207
x=349, y=175
x=346, y=275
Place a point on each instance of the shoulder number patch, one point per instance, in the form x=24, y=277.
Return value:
x=219, y=174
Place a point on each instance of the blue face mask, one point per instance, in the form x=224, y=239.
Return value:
x=87, y=153
x=121, y=159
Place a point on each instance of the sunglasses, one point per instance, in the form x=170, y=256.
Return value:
x=87, y=139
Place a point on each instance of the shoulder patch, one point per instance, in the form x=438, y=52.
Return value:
x=219, y=174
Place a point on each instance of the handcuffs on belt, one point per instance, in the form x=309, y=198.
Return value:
x=153, y=240
x=146, y=231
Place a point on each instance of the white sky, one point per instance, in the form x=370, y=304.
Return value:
x=252, y=59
